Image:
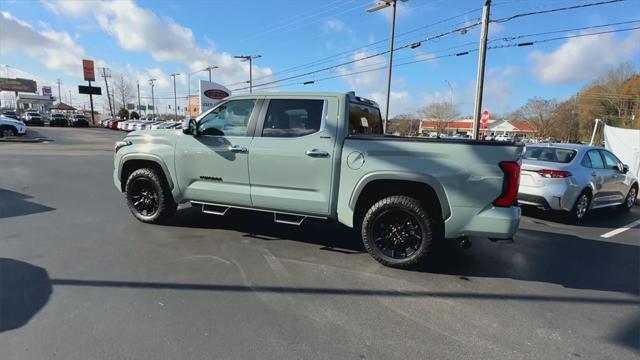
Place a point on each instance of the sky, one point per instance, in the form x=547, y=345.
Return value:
x=142, y=39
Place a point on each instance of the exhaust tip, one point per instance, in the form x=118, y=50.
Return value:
x=464, y=243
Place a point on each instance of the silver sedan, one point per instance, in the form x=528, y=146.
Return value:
x=575, y=178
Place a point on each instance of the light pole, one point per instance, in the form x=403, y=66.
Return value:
x=153, y=101
x=250, y=59
x=175, y=98
x=139, y=105
x=382, y=4
x=482, y=56
x=208, y=68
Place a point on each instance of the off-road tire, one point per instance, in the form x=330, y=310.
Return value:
x=166, y=206
x=411, y=207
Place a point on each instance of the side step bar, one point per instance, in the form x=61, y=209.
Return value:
x=278, y=217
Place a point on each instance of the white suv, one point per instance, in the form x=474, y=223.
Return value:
x=11, y=127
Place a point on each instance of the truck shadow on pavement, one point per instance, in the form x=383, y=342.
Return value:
x=24, y=290
x=537, y=256
x=13, y=203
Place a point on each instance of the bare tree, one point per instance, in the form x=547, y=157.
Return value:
x=405, y=124
x=443, y=113
x=123, y=91
x=539, y=113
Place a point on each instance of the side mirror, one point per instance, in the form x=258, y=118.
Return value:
x=190, y=127
x=625, y=168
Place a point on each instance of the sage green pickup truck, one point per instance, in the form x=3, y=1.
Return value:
x=324, y=156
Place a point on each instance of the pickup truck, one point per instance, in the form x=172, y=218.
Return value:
x=324, y=156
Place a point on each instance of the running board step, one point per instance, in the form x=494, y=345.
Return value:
x=214, y=209
x=289, y=219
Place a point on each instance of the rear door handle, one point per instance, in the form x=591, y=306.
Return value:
x=317, y=153
x=237, y=149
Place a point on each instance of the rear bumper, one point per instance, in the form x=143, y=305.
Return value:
x=494, y=222
x=554, y=196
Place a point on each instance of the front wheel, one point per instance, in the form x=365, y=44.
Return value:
x=149, y=197
x=7, y=131
x=397, y=232
x=630, y=200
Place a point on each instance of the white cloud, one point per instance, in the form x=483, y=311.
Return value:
x=139, y=29
x=366, y=82
x=401, y=102
x=56, y=50
x=337, y=26
x=583, y=58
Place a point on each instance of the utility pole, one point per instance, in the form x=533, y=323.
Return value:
x=107, y=74
x=153, y=101
x=382, y=4
x=249, y=58
x=175, y=98
x=139, y=105
x=482, y=55
x=59, y=92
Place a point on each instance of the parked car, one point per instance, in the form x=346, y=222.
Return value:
x=114, y=123
x=79, y=120
x=501, y=138
x=575, y=178
x=105, y=122
x=10, y=114
x=324, y=155
x=33, y=119
x=11, y=127
x=58, y=120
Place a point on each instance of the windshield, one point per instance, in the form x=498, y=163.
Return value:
x=550, y=154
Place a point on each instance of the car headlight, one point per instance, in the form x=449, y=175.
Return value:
x=121, y=144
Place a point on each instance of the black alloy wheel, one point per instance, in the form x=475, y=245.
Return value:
x=397, y=233
x=144, y=196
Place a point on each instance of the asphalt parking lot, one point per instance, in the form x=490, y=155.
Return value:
x=80, y=278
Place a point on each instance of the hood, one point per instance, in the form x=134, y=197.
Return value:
x=11, y=120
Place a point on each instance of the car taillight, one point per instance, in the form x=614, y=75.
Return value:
x=553, y=173
x=510, y=184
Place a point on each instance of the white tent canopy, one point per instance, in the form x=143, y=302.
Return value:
x=625, y=144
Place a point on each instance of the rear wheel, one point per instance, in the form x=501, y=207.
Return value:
x=630, y=200
x=149, y=197
x=397, y=232
x=580, y=208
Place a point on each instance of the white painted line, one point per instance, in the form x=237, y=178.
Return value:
x=620, y=230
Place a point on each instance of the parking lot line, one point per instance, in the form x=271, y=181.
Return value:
x=620, y=230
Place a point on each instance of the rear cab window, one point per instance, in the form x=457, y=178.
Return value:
x=364, y=119
x=550, y=154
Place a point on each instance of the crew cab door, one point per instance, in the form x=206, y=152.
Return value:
x=214, y=167
x=292, y=155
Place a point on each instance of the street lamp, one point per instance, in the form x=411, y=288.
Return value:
x=175, y=97
x=382, y=4
x=208, y=68
x=250, y=59
x=153, y=101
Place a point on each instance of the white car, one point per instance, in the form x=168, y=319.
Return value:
x=11, y=127
x=502, y=138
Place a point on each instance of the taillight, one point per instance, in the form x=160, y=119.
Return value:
x=553, y=173
x=510, y=184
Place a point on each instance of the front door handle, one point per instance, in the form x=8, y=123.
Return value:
x=317, y=153
x=237, y=149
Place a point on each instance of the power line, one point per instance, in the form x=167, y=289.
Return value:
x=511, y=38
x=508, y=18
x=417, y=43
x=466, y=52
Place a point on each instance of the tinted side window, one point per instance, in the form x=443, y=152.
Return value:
x=230, y=118
x=586, y=161
x=596, y=159
x=292, y=118
x=364, y=120
x=611, y=161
